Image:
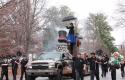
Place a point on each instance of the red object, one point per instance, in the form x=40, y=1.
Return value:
x=124, y=60
x=62, y=37
x=78, y=43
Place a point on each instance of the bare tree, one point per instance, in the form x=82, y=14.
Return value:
x=23, y=19
x=120, y=13
x=29, y=14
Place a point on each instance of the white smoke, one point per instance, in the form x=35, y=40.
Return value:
x=52, y=44
x=65, y=29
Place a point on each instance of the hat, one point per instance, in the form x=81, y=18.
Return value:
x=79, y=54
x=92, y=53
x=14, y=56
x=24, y=55
x=71, y=23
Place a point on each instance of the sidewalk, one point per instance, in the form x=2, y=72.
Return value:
x=11, y=77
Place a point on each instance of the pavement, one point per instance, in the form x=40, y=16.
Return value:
x=108, y=77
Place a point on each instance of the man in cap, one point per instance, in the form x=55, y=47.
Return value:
x=107, y=59
x=15, y=64
x=94, y=66
x=23, y=63
x=104, y=66
x=80, y=65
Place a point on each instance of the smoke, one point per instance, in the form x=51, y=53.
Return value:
x=52, y=44
x=65, y=29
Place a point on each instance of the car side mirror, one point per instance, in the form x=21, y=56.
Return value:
x=63, y=55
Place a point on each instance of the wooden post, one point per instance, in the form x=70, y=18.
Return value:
x=75, y=47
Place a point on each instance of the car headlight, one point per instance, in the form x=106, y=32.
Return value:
x=51, y=65
x=29, y=66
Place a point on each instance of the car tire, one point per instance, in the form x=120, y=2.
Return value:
x=59, y=75
x=30, y=78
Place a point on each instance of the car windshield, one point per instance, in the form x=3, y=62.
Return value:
x=48, y=56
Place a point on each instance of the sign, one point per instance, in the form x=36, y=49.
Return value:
x=61, y=47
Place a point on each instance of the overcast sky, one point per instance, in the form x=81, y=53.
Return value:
x=82, y=8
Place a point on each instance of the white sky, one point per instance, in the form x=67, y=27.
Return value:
x=82, y=8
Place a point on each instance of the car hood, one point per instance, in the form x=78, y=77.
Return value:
x=42, y=61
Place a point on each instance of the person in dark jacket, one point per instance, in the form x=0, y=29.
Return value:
x=23, y=63
x=94, y=66
x=15, y=64
x=71, y=37
x=107, y=65
x=122, y=65
x=104, y=66
x=80, y=66
x=113, y=68
x=4, y=70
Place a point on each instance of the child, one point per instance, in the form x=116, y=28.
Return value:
x=122, y=64
x=113, y=68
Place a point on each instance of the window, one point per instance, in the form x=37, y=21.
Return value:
x=48, y=56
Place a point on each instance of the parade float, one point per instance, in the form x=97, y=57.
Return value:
x=116, y=57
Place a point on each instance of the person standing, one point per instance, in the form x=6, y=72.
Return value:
x=23, y=63
x=15, y=64
x=107, y=65
x=94, y=66
x=4, y=71
x=113, y=68
x=122, y=65
x=104, y=66
x=71, y=37
x=80, y=66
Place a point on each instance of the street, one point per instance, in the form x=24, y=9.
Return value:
x=88, y=77
x=108, y=77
